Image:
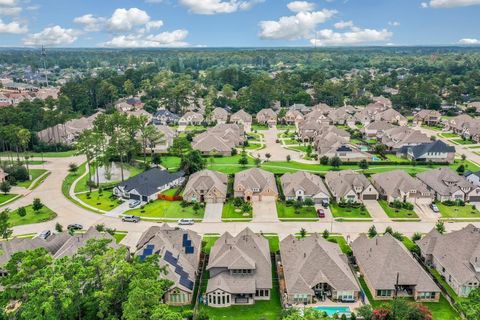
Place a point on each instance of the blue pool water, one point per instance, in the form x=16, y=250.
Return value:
x=375, y=158
x=333, y=310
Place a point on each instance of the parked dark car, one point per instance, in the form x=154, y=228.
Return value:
x=325, y=203
x=134, y=219
x=75, y=226
x=45, y=234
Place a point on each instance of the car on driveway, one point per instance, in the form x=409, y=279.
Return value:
x=134, y=203
x=434, y=208
x=185, y=222
x=325, y=203
x=134, y=219
x=75, y=226
x=321, y=213
x=45, y=234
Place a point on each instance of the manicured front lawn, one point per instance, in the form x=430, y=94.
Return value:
x=71, y=177
x=449, y=135
x=34, y=173
x=285, y=211
x=170, y=162
x=466, y=211
x=290, y=141
x=229, y=211
x=396, y=213
x=208, y=241
x=170, y=192
x=259, y=127
x=167, y=209
x=6, y=197
x=351, y=213
x=42, y=215
x=299, y=148
x=461, y=141
x=104, y=201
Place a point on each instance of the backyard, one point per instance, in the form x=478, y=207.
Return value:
x=288, y=211
x=349, y=212
x=44, y=214
x=395, y=213
x=163, y=209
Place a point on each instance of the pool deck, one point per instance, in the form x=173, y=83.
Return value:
x=330, y=303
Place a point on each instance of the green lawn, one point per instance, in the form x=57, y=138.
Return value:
x=299, y=148
x=285, y=211
x=42, y=215
x=229, y=212
x=449, y=135
x=6, y=197
x=34, y=173
x=71, y=177
x=431, y=127
x=466, y=211
x=36, y=155
x=393, y=157
x=170, y=192
x=171, y=162
x=396, y=213
x=371, y=141
x=461, y=141
x=351, y=213
x=119, y=236
x=259, y=127
x=286, y=126
x=273, y=242
x=105, y=201
x=342, y=243
x=167, y=209
x=290, y=141
x=83, y=186
x=208, y=241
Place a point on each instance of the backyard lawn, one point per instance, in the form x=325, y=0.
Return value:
x=230, y=212
x=6, y=197
x=34, y=173
x=396, y=213
x=351, y=213
x=466, y=211
x=285, y=211
x=104, y=201
x=42, y=215
x=167, y=209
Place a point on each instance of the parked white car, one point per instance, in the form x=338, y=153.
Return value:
x=186, y=222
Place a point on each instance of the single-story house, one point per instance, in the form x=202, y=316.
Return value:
x=303, y=185
x=350, y=186
x=436, y=151
x=399, y=185
x=255, y=185
x=206, y=186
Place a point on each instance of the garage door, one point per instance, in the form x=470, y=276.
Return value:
x=369, y=197
x=474, y=199
x=134, y=196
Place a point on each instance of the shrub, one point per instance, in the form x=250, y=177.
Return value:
x=238, y=202
x=308, y=202
x=22, y=212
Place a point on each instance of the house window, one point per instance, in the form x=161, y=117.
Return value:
x=384, y=293
x=427, y=295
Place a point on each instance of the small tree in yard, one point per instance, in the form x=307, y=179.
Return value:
x=464, y=157
x=58, y=227
x=237, y=202
x=308, y=150
x=297, y=205
x=288, y=158
x=73, y=168
x=258, y=161
x=308, y=202
x=246, y=207
x=243, y=161
x=372, y=232
x=326, y=234
x=335, y=162
x=196, y=207
x=5, y=187
x=363, y=164
x=22, y=212
x=5, y=231
x=324, y=160
x=303, y=233
x=461, y=169
x=440, y=226
x=416, y=236
x=37, y=205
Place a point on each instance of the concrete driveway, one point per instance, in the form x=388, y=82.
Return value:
x=265, y=210
x=425, y=213
x=376, y=211
x=328, y=213
x=213, y=212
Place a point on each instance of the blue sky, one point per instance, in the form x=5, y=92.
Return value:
x=238, y=23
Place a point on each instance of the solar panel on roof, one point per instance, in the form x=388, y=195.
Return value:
x=148, y=251
x=187, y=283
x=189, y=250
x=170, y=258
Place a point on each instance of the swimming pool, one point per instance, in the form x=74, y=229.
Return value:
x=334, y=310
x=375, y=158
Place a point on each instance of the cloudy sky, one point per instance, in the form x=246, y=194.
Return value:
x=238, y=23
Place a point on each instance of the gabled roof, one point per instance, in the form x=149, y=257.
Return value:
x=436, y=146
x=341, y=182
x=396, y=182
x=74, y=243
x=207, y=180
x=255, y=178
x=149, y=182
x=383, y=258
x=444, y=181
x=308, y=182
x=241, y=115
x=313, y=260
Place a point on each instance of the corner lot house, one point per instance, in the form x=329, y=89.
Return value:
x=437, y=151
x=206, y=186
x=240, y=270
x=147, y=185
x=473, y=177
x=390, y=270
x=255, y=185
x=446, y=184
x=179, y=252
x=219, y=140
x=455, y=256
x=303, y=185
x=315, y=270
x=399, y=185
x=350, y=186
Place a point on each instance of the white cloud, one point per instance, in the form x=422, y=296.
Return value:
x=218, y=6
x=126, y=19
x=8, y=2
x=12, y=27
x=10, y=11
x=449, y=3
x=343, y=24
x=300, y=26
x=469, y=41
x=52, y=36
x=299, y=6
x=394, y=23
x=90, y=22
x=175, y=38
x=355, y=36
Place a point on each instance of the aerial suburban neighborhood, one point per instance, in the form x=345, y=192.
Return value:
x=323, y=170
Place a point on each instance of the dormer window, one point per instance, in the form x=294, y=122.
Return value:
x=255, y=189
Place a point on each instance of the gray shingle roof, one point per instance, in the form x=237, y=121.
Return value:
x=311, y=184
x=255, y=178
x=206, y=180
x=394, y=183
x=444, y=181
x=149, y=182
x=341, y=182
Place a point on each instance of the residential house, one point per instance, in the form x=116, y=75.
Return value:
x=168, y=134
x=350, y=186
x=390, y=271
x=66, y=133
x=471, y=130
x=303, y=185
x=191, y=118
x=179, y=255
x=456, y=123
x=165, y=117
x=206, y=186
x=219, y=140
x=436, y=151
x=391, y=116
x=300, y=107
x=376, y=129
x=242, y=118
x=446, y=184
x=332, y=145
x=475, y=105
x=455, y=256
x=427, y=117
x=255, y=185
x=398, y=137
x=364, y=116
x=472, y=177
x=323, y=108
x=340, y=115
x=72, y=244
x=399, y=185
x=317, y=116
x=381, y=100
x=148, y=185
x=293, y=116
x=315, y=270
x=219, y=115
x=267, y=116
x=240, y=270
